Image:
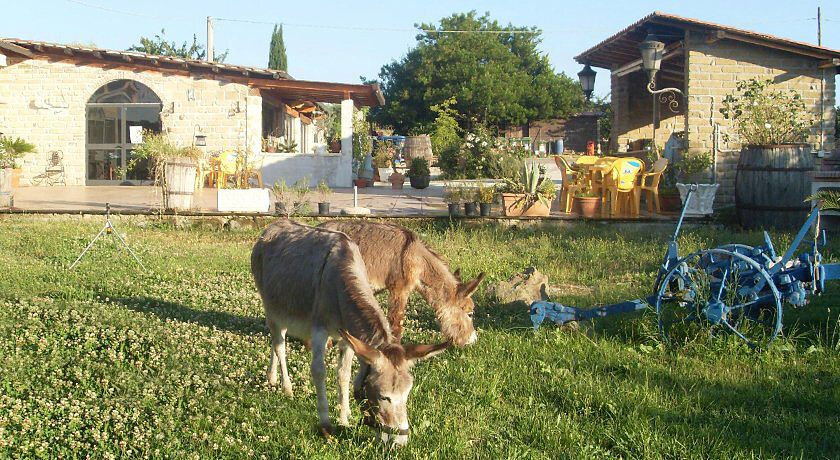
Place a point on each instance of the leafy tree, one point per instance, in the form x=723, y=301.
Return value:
x=498, y=79
x=837, y=122
x=161, y=47
x=277, y=50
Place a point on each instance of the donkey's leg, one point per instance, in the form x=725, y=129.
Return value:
x=319, y=377
x=345, y=366
x=278, y=355
x=397, y=301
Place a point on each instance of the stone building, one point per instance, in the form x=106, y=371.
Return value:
x=705, y=61
x=91, y=105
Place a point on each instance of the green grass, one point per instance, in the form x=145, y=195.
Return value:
x=106, y=361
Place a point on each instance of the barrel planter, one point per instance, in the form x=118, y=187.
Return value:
x=180, y=183
x=417, y=147
x=771, y=183
x=5, y=187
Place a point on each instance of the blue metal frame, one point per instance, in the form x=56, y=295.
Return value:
x=772, y=280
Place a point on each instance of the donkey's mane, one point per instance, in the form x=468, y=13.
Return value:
x=356, y=285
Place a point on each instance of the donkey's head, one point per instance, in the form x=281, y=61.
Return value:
x=384, y=389
x=456, y=320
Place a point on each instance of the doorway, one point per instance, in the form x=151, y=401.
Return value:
x=117, y=116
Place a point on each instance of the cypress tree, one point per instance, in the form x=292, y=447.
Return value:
x=277, y=50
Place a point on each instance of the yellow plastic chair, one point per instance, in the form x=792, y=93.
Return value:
x=570, y=185
x=253, y=170
x=649, y=183
x=620, y=184
x=228, y=167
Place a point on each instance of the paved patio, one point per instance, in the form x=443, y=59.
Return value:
x=380, y=199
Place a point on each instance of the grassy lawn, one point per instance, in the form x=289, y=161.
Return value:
x=106, y=361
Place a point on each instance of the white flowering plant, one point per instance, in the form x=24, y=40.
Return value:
x=481, y=155
x=762, y=116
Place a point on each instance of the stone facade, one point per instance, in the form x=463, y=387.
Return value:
x=714, y=70
x=44, y=101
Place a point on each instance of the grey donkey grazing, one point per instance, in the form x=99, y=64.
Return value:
x=397, y=259
x=314, y=286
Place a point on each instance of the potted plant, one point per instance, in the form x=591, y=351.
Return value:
x=383, y=159
x=587, y=203
x=486, y=195
x=419, y=174
x=291, y=200
x=397, y=180
x=268, y=146
x=468, y=196
x=689, y=168
x=287, y=146
x=772, y=177
x=10, y=151
x=324, y=191
x=528, y=194
x=452, y=198
x=172, y=168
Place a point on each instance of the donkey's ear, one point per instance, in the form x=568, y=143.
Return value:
x=365, y=351
x=468, y=289
x=415, y=353
x=457, y=275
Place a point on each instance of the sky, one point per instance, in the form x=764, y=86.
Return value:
x=342, y=41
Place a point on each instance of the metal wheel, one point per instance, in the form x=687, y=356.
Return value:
x=716, y=291
x=749, y=251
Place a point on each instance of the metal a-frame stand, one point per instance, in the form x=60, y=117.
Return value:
x=107, y=229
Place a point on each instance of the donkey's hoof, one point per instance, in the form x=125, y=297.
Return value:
x=287, y=390
x=328, y=431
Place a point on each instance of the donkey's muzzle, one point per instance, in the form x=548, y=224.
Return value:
x=393, y=436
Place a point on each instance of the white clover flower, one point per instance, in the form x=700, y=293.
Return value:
x=767, y=125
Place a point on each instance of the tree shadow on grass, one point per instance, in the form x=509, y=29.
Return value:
x=165, y=310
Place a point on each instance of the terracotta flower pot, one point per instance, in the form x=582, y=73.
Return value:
x=514, y=206
x=397, y=180
x=361, y=183
x=587, y=206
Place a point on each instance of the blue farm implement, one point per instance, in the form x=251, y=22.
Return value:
x=733, y=289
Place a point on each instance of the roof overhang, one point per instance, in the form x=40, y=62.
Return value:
x=278, y=81
x=319, y=91
x=622, y=49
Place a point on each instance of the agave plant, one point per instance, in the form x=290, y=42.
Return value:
x=826, y=199
x=531, y=185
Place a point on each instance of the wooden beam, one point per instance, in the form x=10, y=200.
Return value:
x=16, y=49
x=714, y=36
x=39, y=48
x=670, y=51
x=829, y=63
x=778, y=46
x=127, y=58
x=97, y=54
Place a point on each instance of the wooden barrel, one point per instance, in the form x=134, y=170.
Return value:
x=417, y=147
x=5, y=187
x=180, y=183
x=771, y=184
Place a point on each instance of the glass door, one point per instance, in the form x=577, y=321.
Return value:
x=113, y=132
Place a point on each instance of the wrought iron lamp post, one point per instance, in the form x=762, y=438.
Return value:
x=652, y=51
x=587, y=84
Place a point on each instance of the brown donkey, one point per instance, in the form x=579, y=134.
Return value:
x=396, y=259
x=314, y=286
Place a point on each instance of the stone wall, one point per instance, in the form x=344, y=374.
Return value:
x=713, y=72
x=44, y=102
x=633, y=112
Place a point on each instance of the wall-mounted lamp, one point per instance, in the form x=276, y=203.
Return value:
x=652, y=52
x=199, y=140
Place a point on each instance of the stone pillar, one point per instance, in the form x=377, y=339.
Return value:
x=253, y=120
x=344, y=174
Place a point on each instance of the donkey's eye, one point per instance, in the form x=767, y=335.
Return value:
x=384, y=398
